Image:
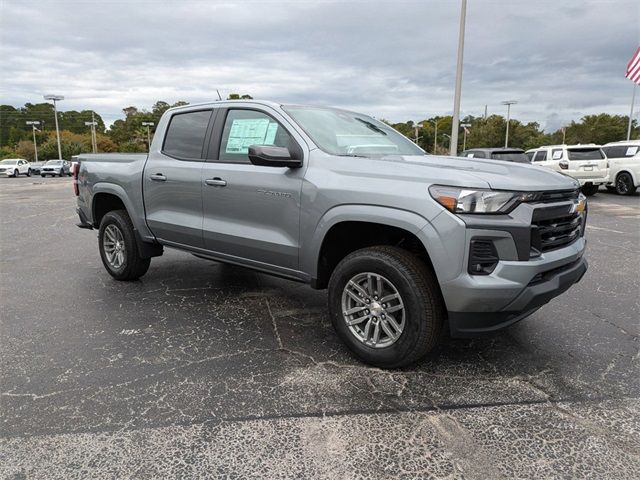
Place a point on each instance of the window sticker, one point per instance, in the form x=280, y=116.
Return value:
x=631, y=151
x=270, y=137
x=249, y=131
x=469, y=155
x=557, y=154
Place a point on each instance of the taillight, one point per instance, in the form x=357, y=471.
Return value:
x=76, y=190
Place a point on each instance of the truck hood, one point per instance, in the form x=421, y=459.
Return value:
x=462, y=172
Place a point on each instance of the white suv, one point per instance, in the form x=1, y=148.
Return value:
x=624, y=161
x=586, y=163
x=12, y=167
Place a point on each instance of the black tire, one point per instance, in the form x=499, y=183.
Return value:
x=16, y=173
x=61, y=173
x=590, y=190
x=133, y=266
x=42, y=175
x=624, y=184
x=420, y=292
x=28, y=172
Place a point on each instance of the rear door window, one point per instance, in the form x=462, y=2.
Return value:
x=621, y=151
x=185, y=135
x=541, y=156
x=556, y=154
x=517, y=157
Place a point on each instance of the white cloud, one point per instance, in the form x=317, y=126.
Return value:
x=392, y=59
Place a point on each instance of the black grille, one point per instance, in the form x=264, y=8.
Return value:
x=551, y=233
x=561, y=196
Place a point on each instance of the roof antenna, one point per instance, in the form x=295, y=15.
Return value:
x=218, y=92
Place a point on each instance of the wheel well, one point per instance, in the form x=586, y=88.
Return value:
x=104, y=203
x=346, y=237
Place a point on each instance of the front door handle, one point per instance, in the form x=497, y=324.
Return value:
x=216, y=182
x=158, y=177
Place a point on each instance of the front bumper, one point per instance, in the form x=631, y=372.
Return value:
x=530, y=299
x=527, y=274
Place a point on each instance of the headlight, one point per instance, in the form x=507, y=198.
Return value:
x=465, y=200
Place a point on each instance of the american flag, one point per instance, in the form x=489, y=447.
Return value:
x=633, y=69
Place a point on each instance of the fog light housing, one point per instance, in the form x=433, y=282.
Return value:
x=483, y=257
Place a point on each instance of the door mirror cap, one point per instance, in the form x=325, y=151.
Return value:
x=271, y=156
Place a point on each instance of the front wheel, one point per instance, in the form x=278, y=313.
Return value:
x=61, y=173
x=590, y=189
x=29, y=173
x=42, y=175
x=16, y=173
x=624, y=184
x=386, y=306
x=118, y=247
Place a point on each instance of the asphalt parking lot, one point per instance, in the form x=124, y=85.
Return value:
x=205, y=370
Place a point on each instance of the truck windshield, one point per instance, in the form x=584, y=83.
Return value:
x=518, y=157
x=585, y=154
x=351, y=134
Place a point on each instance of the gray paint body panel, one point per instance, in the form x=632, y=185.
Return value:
x=275, y=219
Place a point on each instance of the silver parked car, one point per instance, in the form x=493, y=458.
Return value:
x=56, y=168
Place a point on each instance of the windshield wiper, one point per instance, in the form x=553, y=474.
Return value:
x=351, y=155
x=372, y=126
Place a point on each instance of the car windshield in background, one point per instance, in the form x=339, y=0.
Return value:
x=8, y=162
x=350, y=134
x=517, y=157
x=54, y=162
x=585, y=154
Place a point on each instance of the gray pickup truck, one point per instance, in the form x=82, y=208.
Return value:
x=409, y=245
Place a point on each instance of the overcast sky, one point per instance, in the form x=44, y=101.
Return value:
x=394, y=59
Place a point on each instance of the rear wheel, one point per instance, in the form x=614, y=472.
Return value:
x=590, y=189
x=624, y=184
x=386, y=305
x=118, y=247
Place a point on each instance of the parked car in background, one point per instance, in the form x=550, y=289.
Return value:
x=624, y=166
x=12, y=167
x=36, y=167
x=56, y=167
x=507, y=154
x=586, y=163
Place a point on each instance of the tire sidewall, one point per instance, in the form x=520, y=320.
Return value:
x=116, y=219
x=626, y=178
x=416, y=315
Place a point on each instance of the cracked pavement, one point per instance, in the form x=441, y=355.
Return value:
x=204, y=370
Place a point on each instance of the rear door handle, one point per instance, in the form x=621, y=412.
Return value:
x=216, y=182
x=158, y=177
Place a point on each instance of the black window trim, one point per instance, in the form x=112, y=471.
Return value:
x=213, y=113
x=215, y=142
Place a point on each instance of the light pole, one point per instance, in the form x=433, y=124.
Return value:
x=464, y=135
x=435, y=136
x=449, y=137
x=33, y=124
x=418, y=127
x=56, y=98
x=93, y=135
x=453, y=144
x=151, y=124
x=508, y=103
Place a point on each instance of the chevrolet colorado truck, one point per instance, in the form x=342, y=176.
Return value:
x=408, y=245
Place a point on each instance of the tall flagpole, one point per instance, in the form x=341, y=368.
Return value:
x=453, y=142
x=633, y=100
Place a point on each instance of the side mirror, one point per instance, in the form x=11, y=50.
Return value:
x=270, y=156
x=564, y=165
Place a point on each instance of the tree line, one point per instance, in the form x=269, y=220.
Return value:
x=129, y=135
